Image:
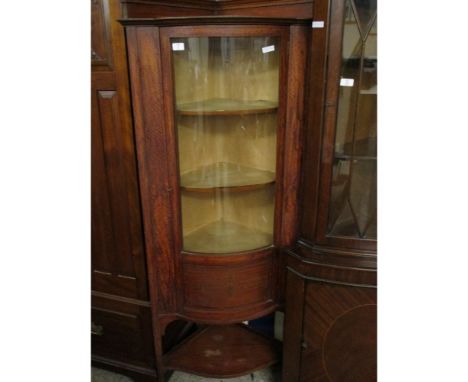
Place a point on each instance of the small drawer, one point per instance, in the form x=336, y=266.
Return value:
x=122, y=332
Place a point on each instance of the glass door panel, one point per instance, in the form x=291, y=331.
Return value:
x=226, y=97
x=353, y=205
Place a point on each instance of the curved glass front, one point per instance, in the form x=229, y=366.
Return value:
x=226, y=91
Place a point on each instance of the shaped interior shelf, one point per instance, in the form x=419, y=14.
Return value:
x=223, y=352
x=354, y=157
x=222, y=106
x=225, y=174
x=372, y=90
x=225, y=237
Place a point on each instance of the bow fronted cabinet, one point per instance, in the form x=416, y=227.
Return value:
x=255, y=137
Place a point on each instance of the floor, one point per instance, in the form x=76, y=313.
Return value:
x=266, y=375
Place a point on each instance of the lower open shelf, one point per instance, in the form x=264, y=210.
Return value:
x=223, y=352
x=226, y=237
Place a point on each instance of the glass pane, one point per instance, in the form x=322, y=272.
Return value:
x=351, y=57
x=366, y=119
x=226, y=111
x=366, y=10
x=353, y=203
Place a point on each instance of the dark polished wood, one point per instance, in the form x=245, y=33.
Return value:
x=202, y=288
x=301, y=9
x=330, y=324
x=119, y=331
x=290, y=147
x=339, y=333
x=211, y=21
x=136, y=373
x=120, y=306
x=330, y=288
x=150, y=8
x=294, y=314
x=117, y=240
x=312, y=133
x=330, y=305
x=330, y=101
x=101, y=47
x=230, y=286
x=223, y=352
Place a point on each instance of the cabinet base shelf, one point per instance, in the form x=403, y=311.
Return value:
x=223, y=352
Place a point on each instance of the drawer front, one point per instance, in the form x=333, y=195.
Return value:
x=122, y=332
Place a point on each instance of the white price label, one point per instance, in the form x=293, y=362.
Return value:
x=347, y=82
x=318, y=24
x=269, y=48
x=178, y=46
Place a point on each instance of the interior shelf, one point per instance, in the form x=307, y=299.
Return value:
x=223, y=236
x=225, y=174
x=372, y=90
x=354, y=157
x=223, y=352
x=222, y=106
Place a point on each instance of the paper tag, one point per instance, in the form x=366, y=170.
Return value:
x=269, y=48
x=347, y=82
x=318, y=24
x=178, y=46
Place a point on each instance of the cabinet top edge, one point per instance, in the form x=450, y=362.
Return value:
x=212, y=20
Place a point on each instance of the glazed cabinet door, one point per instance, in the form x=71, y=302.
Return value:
x=346, y=208
x=228, y=116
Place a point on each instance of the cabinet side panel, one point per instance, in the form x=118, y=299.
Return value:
x=294, y=313
x=145, y=71
x=293, y=132
x=291, y=146
x=314, y=117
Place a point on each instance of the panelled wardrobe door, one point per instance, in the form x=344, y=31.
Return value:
x=218, y=115
x=330, y=327
x=121, y=324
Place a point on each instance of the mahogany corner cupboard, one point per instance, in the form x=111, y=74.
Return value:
x=255, y=148
x=218, y=108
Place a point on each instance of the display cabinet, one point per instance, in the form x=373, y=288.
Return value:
x=218, y=109
x=330, y=315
